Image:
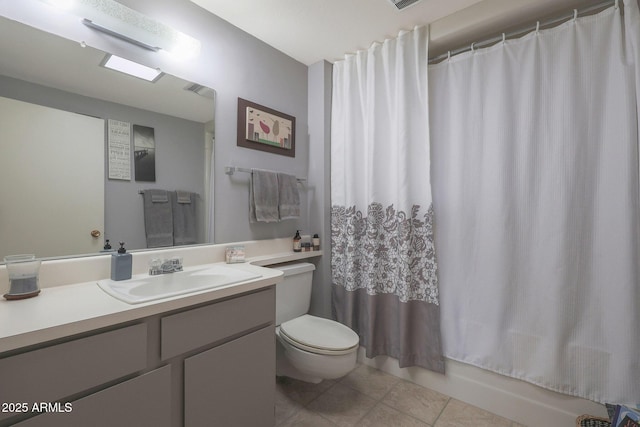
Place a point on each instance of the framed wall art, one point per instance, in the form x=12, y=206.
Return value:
x=265, y=129
x=144, y=151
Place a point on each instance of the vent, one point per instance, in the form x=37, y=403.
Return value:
x=402, y=4
x=205, y=91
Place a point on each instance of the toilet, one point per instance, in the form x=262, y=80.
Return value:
x=309, y=348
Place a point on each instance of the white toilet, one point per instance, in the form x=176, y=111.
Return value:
x=309, y=348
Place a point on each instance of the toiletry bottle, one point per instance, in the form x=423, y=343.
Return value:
x=297, y=246
x=121, y=263
x=316, y=242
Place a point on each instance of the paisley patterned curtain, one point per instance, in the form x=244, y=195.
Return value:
x=384, y=271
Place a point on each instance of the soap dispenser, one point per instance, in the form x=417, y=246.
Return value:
x=297, y=242
x=107, y=247
x=121, y=264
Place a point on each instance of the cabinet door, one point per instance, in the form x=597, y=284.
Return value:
x=233, y=384
x=144, y=401
x=55, y=372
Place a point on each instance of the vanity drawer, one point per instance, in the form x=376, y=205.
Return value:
x=144, y=401
x=52, y=373
x=199, y=327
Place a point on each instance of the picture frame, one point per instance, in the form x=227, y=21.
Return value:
x=265, y=129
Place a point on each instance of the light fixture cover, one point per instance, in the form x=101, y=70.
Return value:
x=119, y=20
x=131, y=68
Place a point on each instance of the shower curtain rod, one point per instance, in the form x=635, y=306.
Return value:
x=525, y=30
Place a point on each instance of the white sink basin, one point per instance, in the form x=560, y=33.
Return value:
x=149, y=288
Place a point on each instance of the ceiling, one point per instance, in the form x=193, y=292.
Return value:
x=314, y=30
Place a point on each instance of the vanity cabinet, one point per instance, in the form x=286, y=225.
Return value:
x=143, y=401
x=206, y=365
x=55, y=372
x=232, y=384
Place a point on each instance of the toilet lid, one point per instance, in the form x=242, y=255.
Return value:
x=318, y=335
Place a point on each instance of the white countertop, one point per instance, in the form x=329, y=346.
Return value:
x=71, y=309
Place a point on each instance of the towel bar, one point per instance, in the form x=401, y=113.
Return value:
x=142, y=192
x=230, y=170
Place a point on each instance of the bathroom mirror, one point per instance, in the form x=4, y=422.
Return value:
x=43, y=72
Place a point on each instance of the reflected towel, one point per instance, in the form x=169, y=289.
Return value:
x=263, y=196
x=288, y=196
x=184, y=218
x=158, y=218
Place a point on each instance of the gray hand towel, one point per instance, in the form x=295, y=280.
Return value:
x=288, y=196
x=184, y=218
x=158, y=218
x=263, y=196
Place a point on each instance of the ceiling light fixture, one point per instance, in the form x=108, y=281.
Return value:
x=115, y=19
x=131, y=68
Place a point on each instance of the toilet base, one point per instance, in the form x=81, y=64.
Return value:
x=310, y=367
x=285, y=369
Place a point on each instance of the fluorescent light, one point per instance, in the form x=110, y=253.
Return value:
x=117, y=63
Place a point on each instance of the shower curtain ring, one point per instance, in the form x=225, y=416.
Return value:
x=538, y=27
x=616, y=5
x=448, y=55
x=575, y=14
x=472, y=46
x=504, y=37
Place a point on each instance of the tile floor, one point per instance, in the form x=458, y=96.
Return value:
x=369, y=397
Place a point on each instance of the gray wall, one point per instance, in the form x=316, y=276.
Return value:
x=179, y=155
x=237, y=64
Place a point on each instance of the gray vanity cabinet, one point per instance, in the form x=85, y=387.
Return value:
x=233, y=384
x=53, y=373
x=228, y=352
x=143, y=401
x=207, y=365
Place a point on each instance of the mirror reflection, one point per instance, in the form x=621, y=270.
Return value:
x=68, y=183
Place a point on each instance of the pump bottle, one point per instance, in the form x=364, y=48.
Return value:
x=121, y=264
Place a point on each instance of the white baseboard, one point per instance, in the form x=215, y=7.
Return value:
x=507, y=397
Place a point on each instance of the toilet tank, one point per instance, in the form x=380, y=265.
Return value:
x=293, y=294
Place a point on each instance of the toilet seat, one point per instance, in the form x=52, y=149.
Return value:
x=319, y=336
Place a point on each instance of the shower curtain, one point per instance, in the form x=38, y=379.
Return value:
x=535, y=188
x=384, y=281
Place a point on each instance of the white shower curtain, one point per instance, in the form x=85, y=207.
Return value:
x=383, y=259
x=535, y=181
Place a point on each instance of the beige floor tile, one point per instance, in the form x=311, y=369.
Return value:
x=342, y=405
x=459, y=414
x=285, y=406
x=384, y=416
x=416, y=401
x=300, y=391
x=370, y=381
x=306, y=418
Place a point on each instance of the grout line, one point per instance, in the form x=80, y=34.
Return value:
x=443, y=408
